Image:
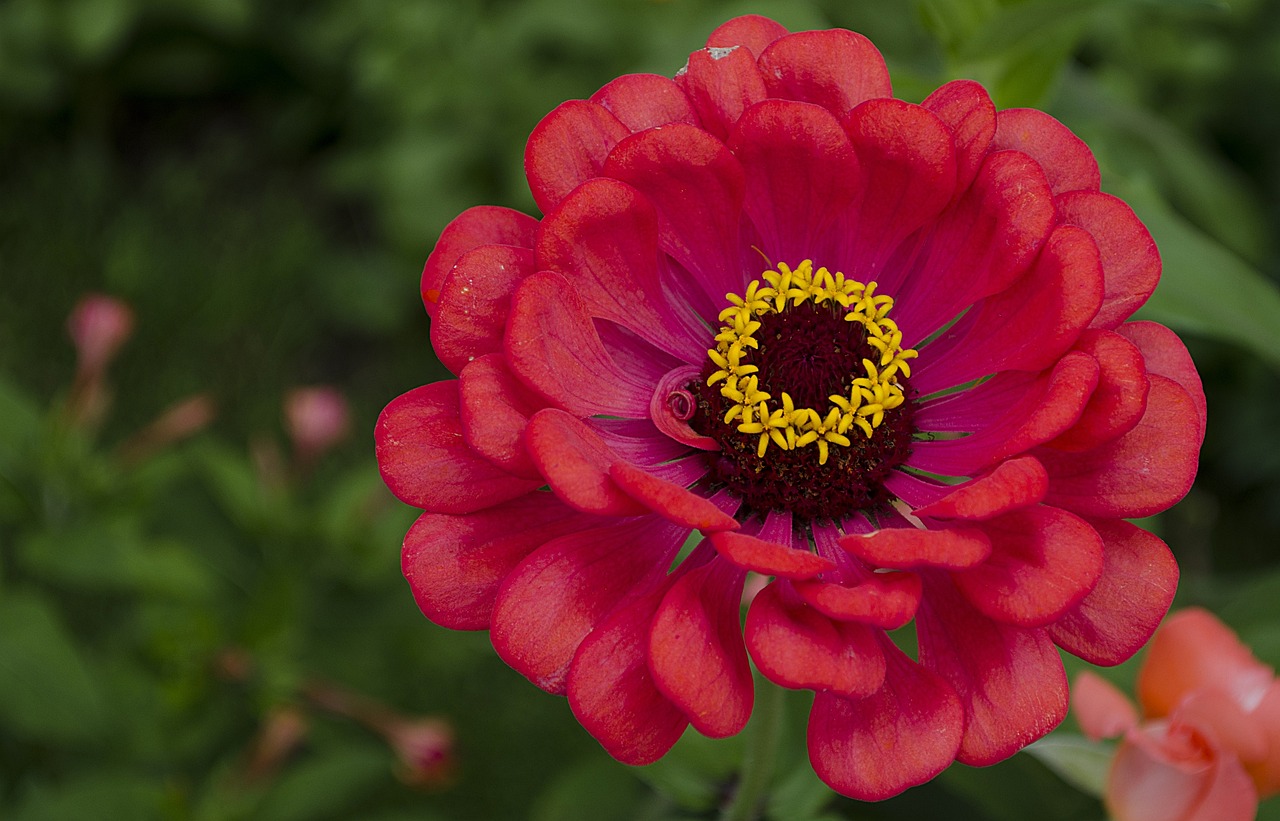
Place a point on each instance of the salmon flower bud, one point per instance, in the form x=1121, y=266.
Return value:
x=98, y=326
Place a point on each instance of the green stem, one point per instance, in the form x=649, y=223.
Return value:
x=761, y=753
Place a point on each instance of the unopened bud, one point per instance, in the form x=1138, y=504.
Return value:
x=98, y=325
x=317, y=418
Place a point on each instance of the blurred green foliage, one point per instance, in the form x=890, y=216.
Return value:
x=262, y=181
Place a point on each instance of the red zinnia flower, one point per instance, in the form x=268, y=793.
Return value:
x=876, y=351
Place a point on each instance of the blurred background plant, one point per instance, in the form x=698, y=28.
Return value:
x=201, y=615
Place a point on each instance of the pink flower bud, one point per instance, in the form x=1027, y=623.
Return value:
x=99, y=325
x=425, y=749
x=317, y=418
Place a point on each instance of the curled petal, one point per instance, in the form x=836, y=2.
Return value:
x=481, y=225
x=902, y=735
x=425, y=461
x=1013, y=484
x=836, y=69
x=769, y=558
x=1139, y=577
x=1101, y=710
x=696, y=651
x=575, y=461
x=907, y=547
x=885, y=600
x=568, y=148
x=672, y=405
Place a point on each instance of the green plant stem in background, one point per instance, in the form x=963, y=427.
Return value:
x=761, y=753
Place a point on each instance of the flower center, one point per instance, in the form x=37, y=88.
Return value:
x=807, y=394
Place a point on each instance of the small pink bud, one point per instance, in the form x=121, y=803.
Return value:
x=99, y=325
x=425, y=749
x=317, y=418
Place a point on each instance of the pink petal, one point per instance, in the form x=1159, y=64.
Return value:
x=603, y=237
x=797, y=647
x=696, y=652
x=909, y=164
x=553, y=346
x=495, y=408
x=978, y=247
x=575, y=462
x=639, y=442
x=721, y=83
x=475, y=298
x=753, y=31
x=1138, y=580
x=612, y=692
x=568, y=148
x=1101, y=710
x=1130, y=261
x=671, y=501
x=1043, y=562
x=1141, y=473
x=643, y=101
x=1266, y=773
x=553, y=599
x=836, y=69
x=906, y=547
x=769, y=558
x=1220, y=715
x=1009, y=679
x=481, y=225
x=1119, y=400
x=1013, y=484
x=672, y=406
x=903, y=735
x=801, y=174
x=885, y=600
x=966, y=108
x=697, y=187
x=1146, y=786
x=1165, y=355
x=1026, y=327
x=454, y=564
x=1066, y=160
x=1193, y=651
x=425, y=462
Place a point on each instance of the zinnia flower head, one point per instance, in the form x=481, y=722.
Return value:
x=1208, y=746
x=875, y=351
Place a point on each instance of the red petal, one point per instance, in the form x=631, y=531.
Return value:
x=1138, y=580
x=481, y=225
x=908, y=159
x=568, y=148
x=1013, y=484
x=425, y=461
x=1043, y=562
x=696, y=652
x=801, y=174
x=454, y=564
x=1165, y=354
x=769, y=558
x=612, y=692
x=553, y=346
x=576, y=463
x=1120, y=398
x=671, y=395
x=1143, y=472
x=697, y=187
x=903, y=735
x=1130, y=261
x=1010, y=679
x=966, y=108
x=836, y=69
x=978, y=247
x=1026, y=327
x=495, y=409
x=1101, y=710
x=475, y=298
x=1066, y=160
x=797, y=647
x=905, y=547
x=671, y=501
x=885, y=600
x=753, y=31
x=603, y=237
x=643, y=101
x=554, y=598
x=721, y=85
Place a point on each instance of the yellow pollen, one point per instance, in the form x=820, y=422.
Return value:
x=780, y=422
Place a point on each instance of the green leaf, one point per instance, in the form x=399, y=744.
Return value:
x=695, y=770
x=96, y=795
x=597, y=789
x=1077, y=760
x=327, y=785
x=19, y=424
x=46, y=689
x=1205, y=289
x=800, y=796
